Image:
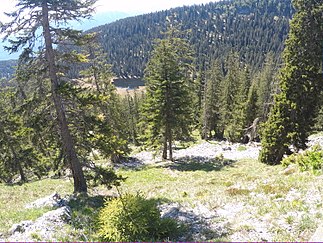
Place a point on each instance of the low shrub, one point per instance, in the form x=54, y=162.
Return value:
x=310, y=160
x=134, y=218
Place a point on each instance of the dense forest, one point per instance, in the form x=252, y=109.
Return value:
x=251, y=28
x=7, y=68
x=213, y=69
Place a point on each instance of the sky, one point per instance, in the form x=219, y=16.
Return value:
x=131, y=7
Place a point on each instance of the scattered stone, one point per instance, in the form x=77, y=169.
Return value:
x=52, y=201
x=203, y=223
x=20, y=228
x=318, y=235
x=203, y=152
x=291, y=169
x=47, y=228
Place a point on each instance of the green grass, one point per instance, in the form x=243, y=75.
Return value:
x=259, y=186
x=242, y=148
x=14, y=198
x=264, y=190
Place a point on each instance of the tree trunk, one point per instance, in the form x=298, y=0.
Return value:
x=18, y=164
x=170, y=144
x=67, y=141
x=165, y=147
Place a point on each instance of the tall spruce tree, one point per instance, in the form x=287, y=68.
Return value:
x=266, y=87
x=211, y=102
x=26, y=20
x=112, y=139
x=234, y=95
x=238, y=120
x=167, y=107
x=229, y=91
x=295, y=106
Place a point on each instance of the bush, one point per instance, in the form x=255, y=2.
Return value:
x=134, y=218
x=310, y=160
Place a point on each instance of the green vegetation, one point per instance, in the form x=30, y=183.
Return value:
x=61, y=111
x=295, y=107
x=167, y=108
x=310, y=160
x=259, y=187
x=15, y=197
x=134, y=218
x=251, y=28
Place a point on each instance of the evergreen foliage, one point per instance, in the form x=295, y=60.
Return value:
x=211, y=103
x=134, y=218
x=41, y=14
x=167, y=106
x=267, y=87
x=251, y=28
x=295, y=107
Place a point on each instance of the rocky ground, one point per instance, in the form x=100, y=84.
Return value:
x=235, y=219
x=203, y=152
x=46, y=228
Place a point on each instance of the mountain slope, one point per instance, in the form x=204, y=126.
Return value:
x=251, y=27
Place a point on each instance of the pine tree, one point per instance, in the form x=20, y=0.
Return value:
x=211, y=103
x=98, y=77
x=294, y=110
x=167, y=107
x=36, y=14
x=235, y=89
x=266, y=87
x=230, y=89
x=238, y=121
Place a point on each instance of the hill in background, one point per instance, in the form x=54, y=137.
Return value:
x=252, y=28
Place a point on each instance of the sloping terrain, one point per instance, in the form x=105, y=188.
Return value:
x=253, y=28
x=219, y=190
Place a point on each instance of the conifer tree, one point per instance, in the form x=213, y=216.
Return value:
x=238, y=121
x=295, y=106
x=111, y=136
x=211, y=103
x=31, y=15
x=266, y=87
x=167, y=106
x=235, y=89
x=230, y=88
x=251, y=107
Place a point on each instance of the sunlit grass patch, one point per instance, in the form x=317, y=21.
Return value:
x=14, y=198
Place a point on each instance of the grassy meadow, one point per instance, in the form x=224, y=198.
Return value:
x=256, y=193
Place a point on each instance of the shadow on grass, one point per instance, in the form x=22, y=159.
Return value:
x=130, y=163
x=196, y=163
x=196, y=225
x=85, y=211
x=190, y=224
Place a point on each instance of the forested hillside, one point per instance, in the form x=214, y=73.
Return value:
x=7, y=68
x=250, y=27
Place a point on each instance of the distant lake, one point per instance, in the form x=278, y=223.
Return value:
x=130, y=83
